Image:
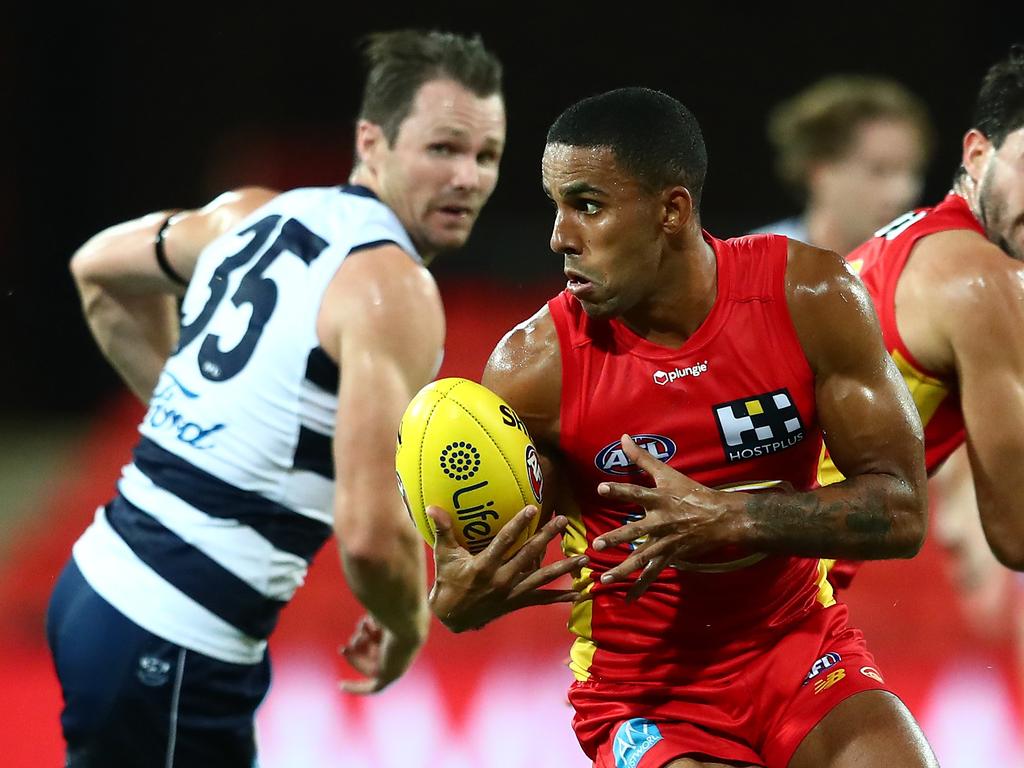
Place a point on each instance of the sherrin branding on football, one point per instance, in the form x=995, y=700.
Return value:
x=463, y=448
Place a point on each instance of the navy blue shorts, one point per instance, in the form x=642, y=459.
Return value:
x=133, y=699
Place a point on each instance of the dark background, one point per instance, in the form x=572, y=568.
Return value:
x=114, y=115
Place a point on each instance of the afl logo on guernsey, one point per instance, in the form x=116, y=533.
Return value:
x=533, y=471
x=613, y=460
x=828, y=660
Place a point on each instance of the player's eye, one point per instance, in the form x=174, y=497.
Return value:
x=441, y=149
x=588, y=207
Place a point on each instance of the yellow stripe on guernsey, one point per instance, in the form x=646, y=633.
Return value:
x=574, y=542
x=826, y=595
x=928, y=394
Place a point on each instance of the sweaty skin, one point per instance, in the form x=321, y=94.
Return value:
x=639, y=255
x=960, y=310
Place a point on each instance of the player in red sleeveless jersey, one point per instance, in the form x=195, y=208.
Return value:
x=948, y=285
x=724, y=360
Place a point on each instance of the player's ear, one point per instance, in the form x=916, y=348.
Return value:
x=678, y=209
x=976, y=152
x=370, y=141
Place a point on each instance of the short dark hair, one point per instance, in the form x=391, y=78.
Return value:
x=999, y=110
x=399, y=62
x=819, y=123
x=654, y=138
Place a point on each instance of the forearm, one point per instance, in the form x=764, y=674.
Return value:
x=390, y=582
x=869, y=517
x=136, y=333
x=1002, y=521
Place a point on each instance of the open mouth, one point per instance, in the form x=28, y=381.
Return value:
x=456, y=211
x=576, y=283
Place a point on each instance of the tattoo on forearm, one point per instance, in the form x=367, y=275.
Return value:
x=802, y=523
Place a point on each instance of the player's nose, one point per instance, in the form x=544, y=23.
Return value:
x=564, y=237
x=466, y=174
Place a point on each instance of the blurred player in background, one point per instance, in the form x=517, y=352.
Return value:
x=724, y=360
x=254, y=449
x=853, y=150
x=948, y=284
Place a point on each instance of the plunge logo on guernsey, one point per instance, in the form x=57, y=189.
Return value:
x=661, y=378
x=613, y=460
x=759, y=425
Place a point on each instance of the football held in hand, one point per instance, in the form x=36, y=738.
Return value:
x=462, y=448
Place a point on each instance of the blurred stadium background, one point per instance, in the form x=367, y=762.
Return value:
x=113, y=115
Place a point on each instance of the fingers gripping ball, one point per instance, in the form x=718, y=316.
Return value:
x=463, y=448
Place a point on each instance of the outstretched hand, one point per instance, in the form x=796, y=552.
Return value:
x=377, y=654
x=683, y=519
x=471, y=590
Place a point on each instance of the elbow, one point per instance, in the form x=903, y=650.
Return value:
x=914, y=537
x=907, y=528
x=82, y=266
x=1002, y=525
x=367, y=549
x=373, y=542
x=85, y=272
x=912, y=521
x=1009, y=552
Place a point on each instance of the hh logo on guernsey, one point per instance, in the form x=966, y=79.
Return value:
x=662, y=378
x=613, y=460
x=759, y=425
x=873, y=673
x=826, y=661
x=534, y=472
x=632, y=741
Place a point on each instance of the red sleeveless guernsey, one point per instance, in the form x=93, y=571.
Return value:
x=733, y=406
x=880, y=262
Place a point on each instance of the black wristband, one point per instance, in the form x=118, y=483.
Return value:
x=161, y=254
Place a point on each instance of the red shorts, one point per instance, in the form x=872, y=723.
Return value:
x=754, y=708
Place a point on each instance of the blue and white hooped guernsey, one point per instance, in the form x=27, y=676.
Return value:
x=229, y=495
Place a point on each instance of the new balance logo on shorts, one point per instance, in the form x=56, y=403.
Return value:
x=632, y=741
x=758, y=425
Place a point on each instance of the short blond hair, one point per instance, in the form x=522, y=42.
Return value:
x=818, y=124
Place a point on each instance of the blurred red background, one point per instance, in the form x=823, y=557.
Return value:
x=493, y=697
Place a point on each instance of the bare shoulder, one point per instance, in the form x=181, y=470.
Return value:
x=221, y=214
x=526, y=370
x=813, y=273
x=382, y=292
x=965, y=269
x=829, y=306
x=971, y=288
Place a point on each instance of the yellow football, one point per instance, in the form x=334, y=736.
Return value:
x=463, y=448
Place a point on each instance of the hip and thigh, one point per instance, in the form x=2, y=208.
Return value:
x=132, y=698
x=814, y=697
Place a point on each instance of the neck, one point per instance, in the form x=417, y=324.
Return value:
x=362, y=177
x=967, y=188
x=687, y=288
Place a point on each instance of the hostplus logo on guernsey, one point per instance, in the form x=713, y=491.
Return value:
x=661, y=378
x=758, y=425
